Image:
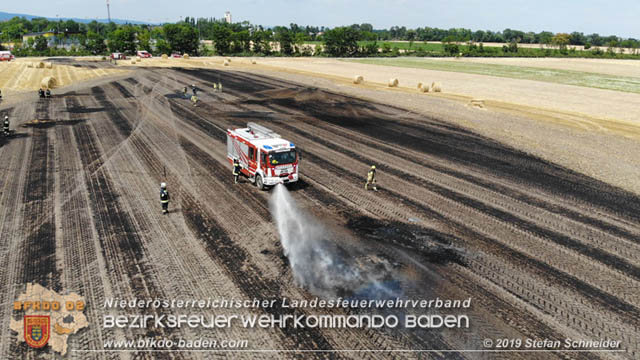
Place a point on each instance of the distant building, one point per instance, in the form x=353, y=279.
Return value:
x=227, y=17
x=8, y=45
x=47, y=34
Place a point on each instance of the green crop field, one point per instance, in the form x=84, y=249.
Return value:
x=567, y=77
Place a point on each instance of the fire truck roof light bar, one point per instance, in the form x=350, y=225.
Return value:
x=259, y=129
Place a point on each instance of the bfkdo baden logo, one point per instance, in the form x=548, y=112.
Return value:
x=43, y=317
x=36, y=330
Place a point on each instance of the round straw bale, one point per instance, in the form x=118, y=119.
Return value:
x=225, y=63
x=419, y=85
x=48, y=82
x=479, y=103
x=423, y=89
x=393, y=82
x=48, y=65
x=40, y=65
x=358, y=79
x=228, y=59
x=29, y=64
x=253, y=62
x=138, y=58
x=185, y=56
x=165, y=56
x=436, y=87
x=133, y=61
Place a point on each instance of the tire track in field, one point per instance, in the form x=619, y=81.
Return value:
x=119, y=239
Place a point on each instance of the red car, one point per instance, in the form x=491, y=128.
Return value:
x=6, y=56
x=118, y=56
x=176, y=55
x=144, y=54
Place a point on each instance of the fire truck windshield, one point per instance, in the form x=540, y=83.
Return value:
x=280, y=158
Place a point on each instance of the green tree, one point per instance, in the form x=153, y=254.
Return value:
x=123, y=40
x=545, y=37
x=221, y=38
x=163, y=47
x=243, y=39
x=95, y=43
x=299, y=40
x=341, y=41
x=283, y=36
x=260, y=41
x=14, y=31
x=41, y=44
x=144, y=40
x=182, y=37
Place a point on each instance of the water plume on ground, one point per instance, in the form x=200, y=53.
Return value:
x=318, y=263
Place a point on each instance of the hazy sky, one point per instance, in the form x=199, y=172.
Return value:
x=606, y=17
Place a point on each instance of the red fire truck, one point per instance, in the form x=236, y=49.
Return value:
x=265, y=157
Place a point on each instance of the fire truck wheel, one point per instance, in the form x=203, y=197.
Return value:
x=259, y=182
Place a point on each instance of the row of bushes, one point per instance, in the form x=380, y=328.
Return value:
x=372, y=50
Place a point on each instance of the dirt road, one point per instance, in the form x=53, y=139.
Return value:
x=544, y=252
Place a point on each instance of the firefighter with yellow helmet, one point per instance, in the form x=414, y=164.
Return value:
x=371, y=179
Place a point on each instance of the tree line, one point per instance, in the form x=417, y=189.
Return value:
x=244, y=38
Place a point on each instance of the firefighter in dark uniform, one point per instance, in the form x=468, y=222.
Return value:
x=371, y=179
x=194, y=89
x=184, y=92
x=236, y=170
x=164, y=198
x=5, y=125
x=47, y=93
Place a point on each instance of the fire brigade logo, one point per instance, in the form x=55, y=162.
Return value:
x=36, y=330
x=45, y=318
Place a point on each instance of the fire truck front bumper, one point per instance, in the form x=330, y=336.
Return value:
x=271, y=181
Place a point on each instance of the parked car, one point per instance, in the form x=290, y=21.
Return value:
x=176, y=55
x=144, y=54
x=118, y=56
x=6, y=56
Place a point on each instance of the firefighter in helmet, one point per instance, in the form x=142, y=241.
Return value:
x=371, y=179
x=194, y=100
x=5, y=125
x=236, y=170
x=215, y=87
x=194, y=89
x=164, y=198
x=219, y=86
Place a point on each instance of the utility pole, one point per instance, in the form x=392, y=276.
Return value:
x=108, y=12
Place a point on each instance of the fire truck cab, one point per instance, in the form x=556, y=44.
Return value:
x=265, y=157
